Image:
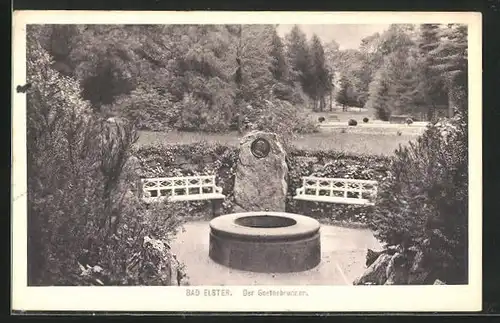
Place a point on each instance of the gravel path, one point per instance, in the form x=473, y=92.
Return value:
x=343, y=259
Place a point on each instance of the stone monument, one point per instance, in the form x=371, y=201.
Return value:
x=261, y=174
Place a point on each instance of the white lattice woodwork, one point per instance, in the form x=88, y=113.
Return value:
x=187, y=188
x=337, y=190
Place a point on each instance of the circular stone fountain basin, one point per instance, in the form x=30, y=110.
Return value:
x=265, y=241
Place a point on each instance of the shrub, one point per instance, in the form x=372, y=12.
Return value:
x=199, y=114
x=352, y=122
x=365, y=120
x=424, y=204
x=280, y=117
x=148, y=108
x=81, y=209
x=409, y=121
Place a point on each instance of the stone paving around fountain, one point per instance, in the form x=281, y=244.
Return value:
x=343, y=259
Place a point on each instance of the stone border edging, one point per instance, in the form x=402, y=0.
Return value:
x=226, y=226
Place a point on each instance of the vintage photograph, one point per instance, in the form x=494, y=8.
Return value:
x=247, y=154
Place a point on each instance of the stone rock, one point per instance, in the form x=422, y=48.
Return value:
x=397, y=270
x=439, y=282
x=260, y=183
x=372, y=256
x=376, y=274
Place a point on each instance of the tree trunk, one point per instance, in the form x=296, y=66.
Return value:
x=451, y=102
x=331, y=98
x=430, y=112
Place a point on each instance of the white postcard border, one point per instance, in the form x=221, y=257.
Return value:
x=319, y=298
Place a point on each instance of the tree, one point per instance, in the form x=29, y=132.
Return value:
x=370, y=44
x=148, y=109
x=146, y=72
x=400, y=84
x=351, y=64
x=298, y=57
x=59, y=133
x=81, y=211
x=379, y=96
x=450, y=59
x=320, y=79
x=397, y=86
x=433, y=83
x=279, y=66
x=331, y=52
x=254, y=66
x=398, y=37
x=106, y=66
x=343, y=93
x=61, y=43
x=422, y=207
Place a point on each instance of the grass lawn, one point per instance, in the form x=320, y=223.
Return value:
x=375, y=137
x=343, y=116
x=351, y=141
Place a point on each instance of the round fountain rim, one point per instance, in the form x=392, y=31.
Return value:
x=304, y=226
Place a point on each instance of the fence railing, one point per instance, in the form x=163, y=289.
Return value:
x=337, y=190
x=181, y=188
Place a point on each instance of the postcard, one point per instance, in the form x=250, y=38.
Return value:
x=246, y=161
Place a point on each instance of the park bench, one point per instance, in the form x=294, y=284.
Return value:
x=337, y=190
x=185, y=188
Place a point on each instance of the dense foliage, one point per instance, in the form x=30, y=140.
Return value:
x=424, y=202
x=407, y=69
x=82, y=213
x=189, y=77
x=206, y=76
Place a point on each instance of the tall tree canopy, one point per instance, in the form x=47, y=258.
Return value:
x=210, y=77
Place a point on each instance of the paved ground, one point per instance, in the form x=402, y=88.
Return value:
x=343, y=259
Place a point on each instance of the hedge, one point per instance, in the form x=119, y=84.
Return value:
x=219, y=160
